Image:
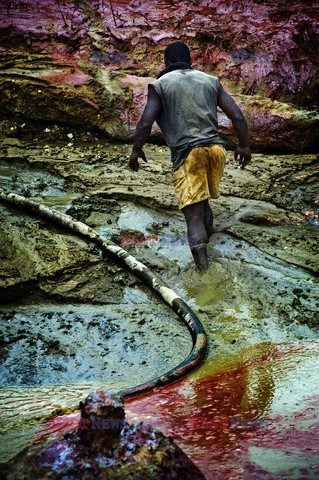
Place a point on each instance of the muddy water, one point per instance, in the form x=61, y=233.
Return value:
x=73, y=321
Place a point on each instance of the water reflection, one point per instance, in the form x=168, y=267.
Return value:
x=207, y=416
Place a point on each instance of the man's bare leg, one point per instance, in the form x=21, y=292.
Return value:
x=208, y=219
x=197, y=234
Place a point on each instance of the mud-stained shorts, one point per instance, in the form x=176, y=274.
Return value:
x=199, y=176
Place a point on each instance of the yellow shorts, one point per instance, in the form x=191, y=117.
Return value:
x=199, y=176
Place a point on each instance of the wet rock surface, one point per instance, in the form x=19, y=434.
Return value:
x=104, y=446
x=81, y=343
x=73, y=321
x=255, y=418
x=272, y=205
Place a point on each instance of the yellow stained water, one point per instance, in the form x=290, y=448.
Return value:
x=60, y=201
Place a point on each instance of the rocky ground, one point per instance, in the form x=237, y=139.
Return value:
x=71, y=317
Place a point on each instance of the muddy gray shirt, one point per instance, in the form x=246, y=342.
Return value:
x=189, y=115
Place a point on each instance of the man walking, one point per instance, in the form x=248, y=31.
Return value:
x=183, y=102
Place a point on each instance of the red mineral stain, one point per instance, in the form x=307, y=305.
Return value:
x=217, y=419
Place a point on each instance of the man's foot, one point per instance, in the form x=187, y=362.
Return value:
x=199, y=253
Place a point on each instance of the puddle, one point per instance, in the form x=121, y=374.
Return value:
x=272, y=384
x=59, y=202
x=32, y=182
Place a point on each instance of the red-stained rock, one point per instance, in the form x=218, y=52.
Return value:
x=74, y=78
x=104, y=446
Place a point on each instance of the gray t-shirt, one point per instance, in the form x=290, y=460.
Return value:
x=189, y=115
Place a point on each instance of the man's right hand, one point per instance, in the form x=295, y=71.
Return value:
x=133, y=161
x=243, y=155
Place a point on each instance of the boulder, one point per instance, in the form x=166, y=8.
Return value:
x=104, y=446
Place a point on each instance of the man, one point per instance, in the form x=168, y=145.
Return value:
x=184, y=101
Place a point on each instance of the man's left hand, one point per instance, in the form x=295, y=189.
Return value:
x=133, y=162
x=242, y=155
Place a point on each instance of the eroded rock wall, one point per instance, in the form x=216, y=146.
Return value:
x=70, y=61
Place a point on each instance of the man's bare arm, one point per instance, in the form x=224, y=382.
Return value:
x=152, y=110
x=232, y=110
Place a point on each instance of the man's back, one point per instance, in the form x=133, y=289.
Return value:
x=189, y=100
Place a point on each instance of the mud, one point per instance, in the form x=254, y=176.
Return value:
x=73, y=321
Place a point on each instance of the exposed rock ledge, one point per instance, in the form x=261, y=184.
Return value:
x=43, y=78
